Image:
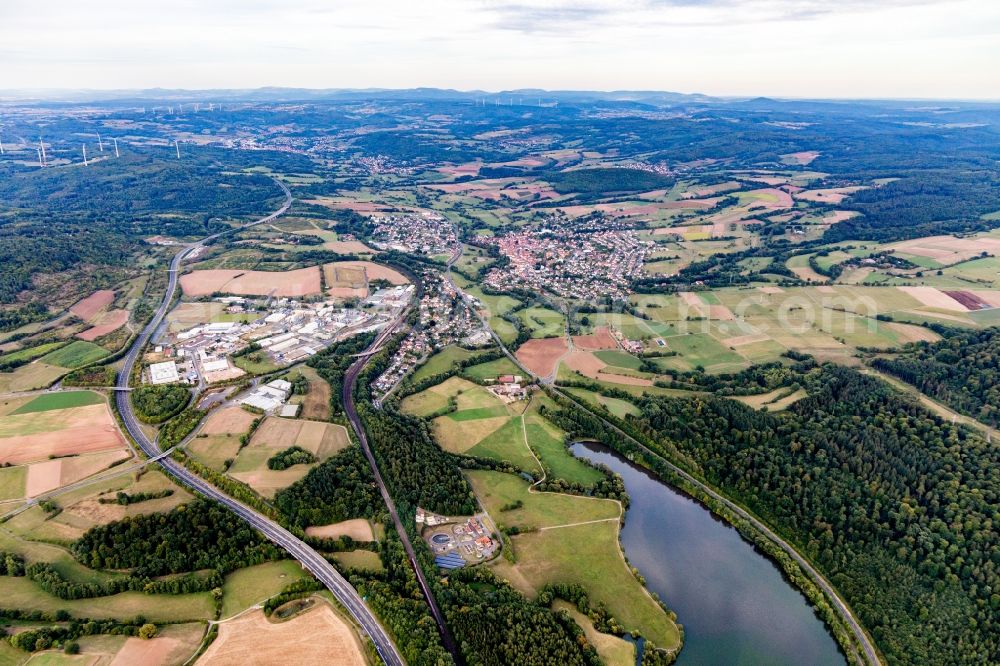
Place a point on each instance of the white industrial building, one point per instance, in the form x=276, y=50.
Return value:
x=163, y=373
x=269, y=397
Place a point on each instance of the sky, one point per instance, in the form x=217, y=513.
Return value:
x=787, y=48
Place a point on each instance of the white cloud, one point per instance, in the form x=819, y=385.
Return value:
x=892, y=48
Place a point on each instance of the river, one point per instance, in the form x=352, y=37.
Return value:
x=735, y=606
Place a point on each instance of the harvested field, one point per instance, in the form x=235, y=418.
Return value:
x=315, y=403
x=345, y=279
x=800, y=158
x=833, y=195
x=741, y=340
x=107, y=323
x=159, y=651
x=541, y=355
x=601, y=338
x=467, y=169
x=458, y=436
x=695, y=304
x=51, y=474
x=585, y=363
x=858, y=275
x=911, y=332
x=934, y=298
x=301, y=282
x=41, y=435
x=93, y=304
x=991, y=298
x=321, y=439
x=835, y=216
x=228, y=420
x=316, y=636
x=948, y=249
x=274, y=435
x=628, y=380
x=348, y=247
x=35, y=375
x=358, y=529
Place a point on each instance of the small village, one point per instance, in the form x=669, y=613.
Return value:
x=444, y=320
x=571, y=265
x=425, y=233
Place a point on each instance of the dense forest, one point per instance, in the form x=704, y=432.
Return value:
x=896, y=506
x=156, y=404
x=962, y=371
x=332, y=363
x=606, y=181
x=341, y=488
x=93, y=220
x=194, y=536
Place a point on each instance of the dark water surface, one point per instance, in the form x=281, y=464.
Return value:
x=735, y=605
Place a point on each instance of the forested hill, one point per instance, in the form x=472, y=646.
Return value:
x=962, y=371
x=896, y=506
x=93, y=219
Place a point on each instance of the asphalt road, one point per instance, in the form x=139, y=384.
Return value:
x=870, y=653
x=309, y=558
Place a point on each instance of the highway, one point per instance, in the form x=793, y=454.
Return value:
x=309, y=558
x=870, y=653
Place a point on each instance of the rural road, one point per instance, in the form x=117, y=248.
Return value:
x=870, y=653
x=350, y=380
x=309, y=558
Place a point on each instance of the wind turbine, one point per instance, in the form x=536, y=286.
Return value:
x=177, y=147
x=116, y=146
x=85, y=155
x=39, y=156
x=1, y=146
x=99, y=142
x=45, y=159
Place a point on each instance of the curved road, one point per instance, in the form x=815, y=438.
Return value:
x=309, y=558
x=871, y=655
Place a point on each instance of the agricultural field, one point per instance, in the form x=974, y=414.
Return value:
x=275, y=435
x=559, y=542
x=311, y=636
x=445, y=360
x=543, y=322
x=218, y=440
x=346, y=279
x=302, y=282
x=174, y=644
x=58, y=438
x=359, y=529
x=253, y=585
x=315, y=403
x=96, y=504
x=75, y=355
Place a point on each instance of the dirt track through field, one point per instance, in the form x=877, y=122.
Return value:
x=317, y=636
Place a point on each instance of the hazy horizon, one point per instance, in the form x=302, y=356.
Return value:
x=805, y=49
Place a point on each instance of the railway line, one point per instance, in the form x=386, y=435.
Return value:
x=868, y=652
x=307, y=556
